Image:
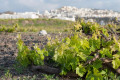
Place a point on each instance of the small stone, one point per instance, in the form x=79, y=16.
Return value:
x=43, y=33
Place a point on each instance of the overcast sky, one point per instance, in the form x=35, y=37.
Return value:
x=41, y=5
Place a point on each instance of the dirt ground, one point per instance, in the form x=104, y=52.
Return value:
x=8, y=52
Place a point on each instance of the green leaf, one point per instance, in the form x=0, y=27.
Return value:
x=67, y=40
x=80, y=70
x=86, y=43
x=95, y=75
x=97, y=64
x=116, y=63
x=63, y=72
x=89, y=76
x=107, y=52
x=82, y=56
x=116, y=55
x=92, y=48
x=103, y=72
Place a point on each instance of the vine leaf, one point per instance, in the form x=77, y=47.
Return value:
x=116, y=63
x=80, y=70
x=97, y=64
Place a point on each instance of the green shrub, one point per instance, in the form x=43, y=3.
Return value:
x=3, y=29
x=10, y=30
x=27, y=57
x=79, y=53
x=75, y=53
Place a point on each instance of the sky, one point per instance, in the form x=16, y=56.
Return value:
x=41, y=5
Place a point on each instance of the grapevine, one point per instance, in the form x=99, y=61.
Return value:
x=92, y=52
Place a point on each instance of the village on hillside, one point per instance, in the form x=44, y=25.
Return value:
x=67, y=13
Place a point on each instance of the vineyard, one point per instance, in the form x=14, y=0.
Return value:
x=34, y=25
x=87, y=51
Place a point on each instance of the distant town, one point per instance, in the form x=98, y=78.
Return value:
x=65, y=13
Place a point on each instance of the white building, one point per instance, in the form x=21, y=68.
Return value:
x=65, y=13
x=25, y=15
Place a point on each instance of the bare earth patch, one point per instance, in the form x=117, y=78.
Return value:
x=8, y=53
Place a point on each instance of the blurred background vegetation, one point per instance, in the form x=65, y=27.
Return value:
x=34, y=25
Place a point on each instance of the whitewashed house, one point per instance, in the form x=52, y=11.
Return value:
x=25, y=15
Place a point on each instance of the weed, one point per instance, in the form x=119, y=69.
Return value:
x=49, y=77
x=7, y=76
x=29, y=78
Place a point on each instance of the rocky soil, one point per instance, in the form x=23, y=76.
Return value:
x=8, y=52
x=8, y=49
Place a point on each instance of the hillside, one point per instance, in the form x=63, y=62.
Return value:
x=35, y=25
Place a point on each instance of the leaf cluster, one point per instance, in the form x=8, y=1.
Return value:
x=77, y=53
x=84, y=55
x=27, y=56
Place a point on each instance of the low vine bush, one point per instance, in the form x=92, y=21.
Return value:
x=92, y=52
x=9, y=29
x=27, y=57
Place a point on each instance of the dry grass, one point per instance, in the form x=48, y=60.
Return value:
x=34, y=25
